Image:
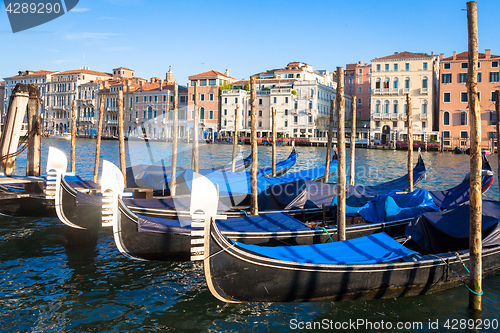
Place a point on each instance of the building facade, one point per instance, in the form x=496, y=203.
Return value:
x=393, y=78
x=62, y=89
x=300, y=96
x=358, y=83
x=40, y=78
x=454, y=117
x=209, y=84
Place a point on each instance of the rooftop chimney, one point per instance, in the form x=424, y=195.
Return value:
x=142, y=84
x=454, y=55
x=441, y=56
x=227, y=72
x=170, y=76
x=161, y=84
x=487, y=53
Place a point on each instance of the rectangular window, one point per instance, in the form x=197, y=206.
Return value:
x=145, y=99
x=192, y=97
x=164, y=98
x=171, y=98
x=407, y=66
x=462, y=78
x=446, y=134
x=260, y=101
x=156, y=98
x=203, y=82
x=465, y=65
x=360, y=71
x=202, y=97
x=463, y=97
x=360, y=90
x=295, y=119
x=260, y=123
x=225, y=112
x=493, y=118
x=463, y=118
x=494, y=64
x=395, y=67
x=137, y=99
x=286, y=112
x=493, y=96
x=286, y=99
x=163, y=114
x=386, y=67
x=446, y=65
x=212, y=82
x=225, y=100
x=211, y=97
x=378, y=67
x=260, y=113
x=493, y=76
x=150, y=98
x=446, y=97
x=479, y=77
x=211, y=115
x=463, y=134
x=424, y=66
x=446, y=78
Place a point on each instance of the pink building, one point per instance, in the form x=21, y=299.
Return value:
x=454, y=120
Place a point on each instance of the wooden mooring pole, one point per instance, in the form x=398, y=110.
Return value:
x=273, y=157
x=73, y=136
x=12, y=127
x=33, y=164
x=121, y=135
x=497, y=137
x=329, y=141
x=196, y=120
x=175, y=134
x=235, y=137
x=253, y=141
x=409, y=116
x=341, y=179
x=98, y=139
x=353, y=143
x=476, y=203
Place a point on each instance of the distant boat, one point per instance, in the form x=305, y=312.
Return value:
x=63, y=136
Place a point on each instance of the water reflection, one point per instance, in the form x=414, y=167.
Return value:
x=46, y=286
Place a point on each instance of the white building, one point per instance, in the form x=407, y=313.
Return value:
x=300, y=96
x=393, y=77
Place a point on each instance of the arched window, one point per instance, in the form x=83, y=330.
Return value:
x=424, y=82
x=377, y=107
x=202, y=113
x=386, y=83
x=386, y=107
x=463, y=118
x=407, y=83
x=395, y=83
x=424, y=106
x=395, y=107
x=377, y=83
x=150, y=112
x=446, y=118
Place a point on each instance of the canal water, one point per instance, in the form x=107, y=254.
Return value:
x=46, y=286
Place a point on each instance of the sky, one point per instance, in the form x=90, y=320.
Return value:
x=245, y=37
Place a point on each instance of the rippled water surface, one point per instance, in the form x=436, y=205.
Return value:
x=46, y=286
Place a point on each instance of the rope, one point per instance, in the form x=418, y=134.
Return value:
x=327, y=233
x=25, y=145
x=463, y=282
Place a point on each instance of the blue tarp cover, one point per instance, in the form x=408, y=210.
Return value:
x=237, y=183
x=394, y=207
x=440, y=232
x=376, y=248
x=158, y=176
x=303, y=194
x=275, y=222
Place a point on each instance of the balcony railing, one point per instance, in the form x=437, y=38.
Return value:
x=424, y=116
x=406, y=90
x=424, y=91
x=403, y=116
x=386, y=91
x=112, y=122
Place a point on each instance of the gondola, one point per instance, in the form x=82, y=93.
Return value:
x=371, y=267
x=158, y=176
x=78, y=210
x=148, y=238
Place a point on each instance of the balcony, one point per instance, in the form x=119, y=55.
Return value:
x=406, y=91
x=112, y=122
x=87, y=119
x=393, y=116
x=403, y=116
x=282, y=91
x=424, y=116
x=386, y=91
x=424, y=91
x=234, y=92
x=377, y=116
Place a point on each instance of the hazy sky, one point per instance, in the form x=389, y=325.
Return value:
x=244, y=36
